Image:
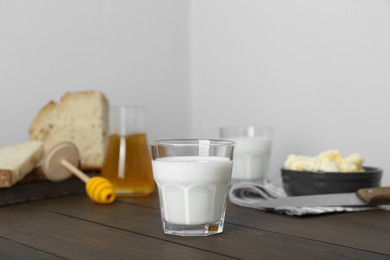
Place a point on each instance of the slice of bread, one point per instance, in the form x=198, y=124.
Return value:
x=81, y=118
x=18, y=160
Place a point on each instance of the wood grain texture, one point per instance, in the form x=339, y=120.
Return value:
x=368, y=230
x=353, y=230
x=248, y=234
x=74, y=238
x=11, y=250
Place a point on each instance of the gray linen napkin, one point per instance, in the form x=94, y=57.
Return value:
x=247, y=194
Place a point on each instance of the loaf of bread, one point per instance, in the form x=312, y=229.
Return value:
x=18, y=160
x=81, y=118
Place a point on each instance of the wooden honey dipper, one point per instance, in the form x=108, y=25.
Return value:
x=60, y=163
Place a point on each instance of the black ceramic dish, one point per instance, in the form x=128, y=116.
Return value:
x=297, y=183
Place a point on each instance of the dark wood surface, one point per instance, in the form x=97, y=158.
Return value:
x=73, y=227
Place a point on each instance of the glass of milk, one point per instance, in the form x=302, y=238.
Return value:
x=252, y=152
x=193, y=178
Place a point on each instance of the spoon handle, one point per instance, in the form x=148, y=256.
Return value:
x=75, y=170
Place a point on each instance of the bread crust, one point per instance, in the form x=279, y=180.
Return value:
x=41, y=126
x=18, y=160
x=51, y=106
x=5, y=178
x=40, y=117
x=70, y=95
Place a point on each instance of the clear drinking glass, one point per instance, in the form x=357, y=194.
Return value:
x=127, y=162
x=193, y=178
x=252, y=153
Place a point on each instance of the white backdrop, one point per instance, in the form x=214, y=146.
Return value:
x=136, y=52
x=318, y=71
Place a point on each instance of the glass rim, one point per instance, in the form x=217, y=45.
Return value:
x=192, y=142
x=244, y=127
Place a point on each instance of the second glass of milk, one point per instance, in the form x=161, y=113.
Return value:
x=193, y=178
x=252, y=152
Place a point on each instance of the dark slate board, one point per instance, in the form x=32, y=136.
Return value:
x=42, y=189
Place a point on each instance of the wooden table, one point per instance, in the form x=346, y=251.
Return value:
x=72, y=227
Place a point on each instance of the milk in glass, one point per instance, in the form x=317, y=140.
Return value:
x=251, y=158
x=252, y=151
x=192, y=189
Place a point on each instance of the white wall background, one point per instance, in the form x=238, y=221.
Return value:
x=318, y=71
x=136, y=52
